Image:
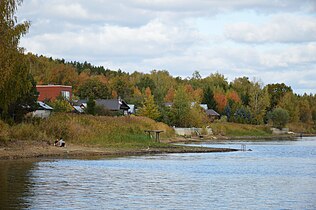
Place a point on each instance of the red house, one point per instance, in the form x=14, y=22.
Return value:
x=51, y=92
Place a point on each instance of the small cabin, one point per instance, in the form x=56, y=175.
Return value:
x=43, y=110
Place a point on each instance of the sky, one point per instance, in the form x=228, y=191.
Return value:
x=272, y=41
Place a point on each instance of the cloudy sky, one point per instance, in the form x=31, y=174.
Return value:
x=271, y=40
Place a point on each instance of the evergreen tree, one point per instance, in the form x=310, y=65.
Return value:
x=91, y=109
x=209, y=98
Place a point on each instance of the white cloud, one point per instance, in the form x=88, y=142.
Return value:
x=153, y=39
x=280, y=28
x=278, y=42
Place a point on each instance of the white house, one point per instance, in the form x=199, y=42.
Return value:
x=43, y=110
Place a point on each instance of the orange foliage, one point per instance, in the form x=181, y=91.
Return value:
x=102, y=78
x=233, y=95
x=114, y=94
x=189, y=89
x=83, y=76
x=170, y=95
x=148, y=92
x=221, y=101
x=137, y=92
x=198, y=94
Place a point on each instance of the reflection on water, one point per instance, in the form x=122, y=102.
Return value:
x=14, y=184
x=275, y=175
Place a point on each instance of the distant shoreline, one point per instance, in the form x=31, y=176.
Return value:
x=232, y=138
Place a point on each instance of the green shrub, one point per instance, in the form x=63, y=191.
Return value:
x=279, y=117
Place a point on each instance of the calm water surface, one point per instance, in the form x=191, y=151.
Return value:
x=274, y=175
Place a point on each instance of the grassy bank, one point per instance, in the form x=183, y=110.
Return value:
x=111, y=132
x=88, y=136
x=306, y=128
x=235, y=129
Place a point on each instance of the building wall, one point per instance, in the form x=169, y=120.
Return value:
x=41, y=113
x=52, y=91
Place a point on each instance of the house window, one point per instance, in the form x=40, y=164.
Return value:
x=65, y=94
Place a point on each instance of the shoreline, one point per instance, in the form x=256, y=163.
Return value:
x=25, y=150
x=14, y=150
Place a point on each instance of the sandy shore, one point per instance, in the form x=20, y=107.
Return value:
x=25, y=149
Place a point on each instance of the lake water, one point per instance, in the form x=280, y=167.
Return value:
x=274, y=175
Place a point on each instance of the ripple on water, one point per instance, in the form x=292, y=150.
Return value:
x=276, y=175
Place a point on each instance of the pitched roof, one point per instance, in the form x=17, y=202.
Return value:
x=212, y=112
x=78, y=109
x=112, y=104
x=43, y=106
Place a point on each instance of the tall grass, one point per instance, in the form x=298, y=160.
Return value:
x=125, y=131
x=236, y=129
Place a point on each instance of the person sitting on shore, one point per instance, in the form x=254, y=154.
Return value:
x=61, y=142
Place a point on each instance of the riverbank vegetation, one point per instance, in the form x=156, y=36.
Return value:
x=87, y=130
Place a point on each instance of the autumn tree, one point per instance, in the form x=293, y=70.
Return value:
x=146, y=82
x=137, y=97
x=170, y=95
x=196, y=80
x=258, y=102
x=24, y=104
x=290, y=103
x=163, y=82
x=121, y=85
x=233, y=103
x=60, y=105
x=93, y=88
x=197, y=116
x=14, y=68
x=305, y=111
x=180, y=109
x=221, y=101
x=217, y=81
x=276, y=93
x=242, y=86
x=62, y=74
x=149, y=108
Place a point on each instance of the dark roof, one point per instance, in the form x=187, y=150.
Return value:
x=211, y=112
x=78, y=109
x=43, y=106
x=112, y=104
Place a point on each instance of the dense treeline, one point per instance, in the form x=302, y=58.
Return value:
x=242, y=100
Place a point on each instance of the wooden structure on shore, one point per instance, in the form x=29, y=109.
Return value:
x=157, y=134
